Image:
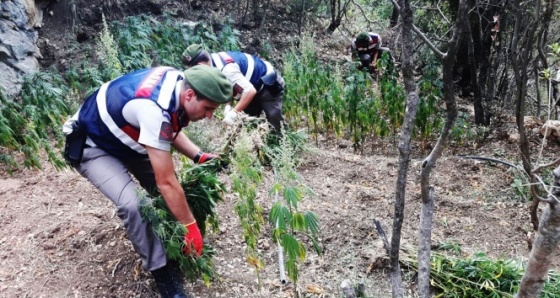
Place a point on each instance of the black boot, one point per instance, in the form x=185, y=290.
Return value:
x=168, y=283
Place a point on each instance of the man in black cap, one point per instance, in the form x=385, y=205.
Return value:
x=256, y=83
x=127, y=128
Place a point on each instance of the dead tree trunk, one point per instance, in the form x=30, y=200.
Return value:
x=546, y=242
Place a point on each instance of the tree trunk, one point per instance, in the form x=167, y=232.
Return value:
x=394, y=16
x=477, y=101
x=544, y=247
x=542, y=253
x=521, y=48
x=425, y=233
x=403, y=146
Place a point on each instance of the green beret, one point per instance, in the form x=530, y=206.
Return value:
x=363, y=36
x=191, y=52
x=209, y=83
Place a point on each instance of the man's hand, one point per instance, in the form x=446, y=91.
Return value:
x=202, y=157
x=193, y=240
x=230, y=117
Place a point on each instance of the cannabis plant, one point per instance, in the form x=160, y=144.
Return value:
x=477, y=276
x=292, y=226
x=246, y=175
x=107, y=51
x=31, y=123
x=203, y=191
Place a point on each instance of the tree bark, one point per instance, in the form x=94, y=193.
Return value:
x=403, y=146
x=394, y=16
x=426, y=215
x=544, y=247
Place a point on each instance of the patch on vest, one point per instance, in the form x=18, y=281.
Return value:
x=166, y=132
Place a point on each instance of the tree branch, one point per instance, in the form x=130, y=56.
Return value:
x=363, y=12
x=551, y=198
x=439, y=53
x=383, y=236
x=554, y=163
x=488, y=159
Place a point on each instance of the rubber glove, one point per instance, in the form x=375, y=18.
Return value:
x=202, y=157
x=193, y=239
x=230, y=117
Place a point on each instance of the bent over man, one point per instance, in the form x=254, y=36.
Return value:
x=256, y=83
x=367, y=47
x=127, y=127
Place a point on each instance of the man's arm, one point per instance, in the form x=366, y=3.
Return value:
x=169, y=186
x=233, y=72
x=184, y=145
x=353, y=50
x=246, y=98
x=374, y=60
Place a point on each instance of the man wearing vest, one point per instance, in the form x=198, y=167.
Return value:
x=127, y=128
x=256, y=84
x=367, y=47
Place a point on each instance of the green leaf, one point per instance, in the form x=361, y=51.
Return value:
x=311, y=222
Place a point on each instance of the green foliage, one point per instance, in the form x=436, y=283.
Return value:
x=135, y=41
x=450, y=246
x=144, y=41
x=203, y=191
x=30, y=122
x=430, y=91
x=347, y=104
x=83, y=80
x=465, y=133
x=478, y=276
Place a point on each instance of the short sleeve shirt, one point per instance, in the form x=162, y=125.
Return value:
x=153, y=123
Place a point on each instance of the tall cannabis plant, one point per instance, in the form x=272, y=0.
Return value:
x=292, y=226
x=246, y=175
x=108, y=51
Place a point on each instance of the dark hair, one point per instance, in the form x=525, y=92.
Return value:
x=202, y=56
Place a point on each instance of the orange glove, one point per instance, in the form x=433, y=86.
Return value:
x=202, y=157
x=193, y=239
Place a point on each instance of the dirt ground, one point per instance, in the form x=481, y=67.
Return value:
x=60, y=237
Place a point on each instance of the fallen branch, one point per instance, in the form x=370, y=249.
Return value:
x=488, y=159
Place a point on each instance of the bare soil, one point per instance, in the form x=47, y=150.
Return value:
x=60, y=236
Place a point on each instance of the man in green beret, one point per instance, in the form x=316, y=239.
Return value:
x=126, y=129
x=366, y=46
x=257, y=85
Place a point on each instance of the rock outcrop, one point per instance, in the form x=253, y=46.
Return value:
x=19, y=20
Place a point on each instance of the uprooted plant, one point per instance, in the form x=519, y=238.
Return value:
x=203, y=191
